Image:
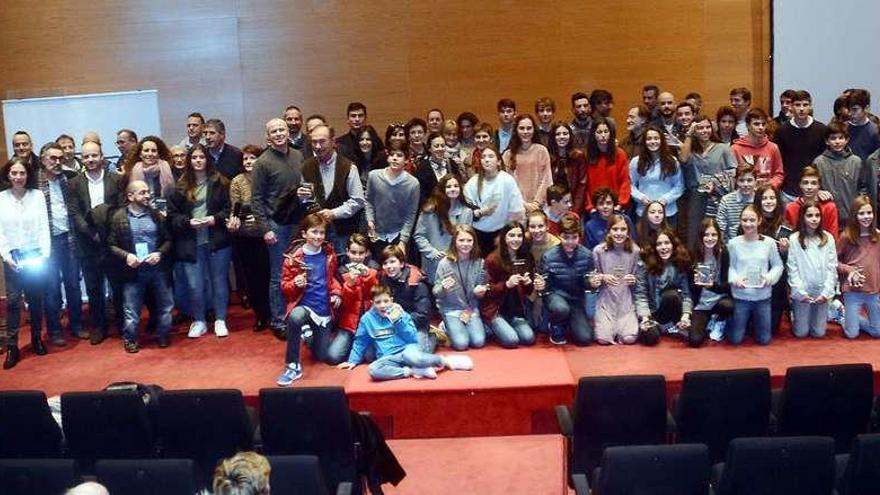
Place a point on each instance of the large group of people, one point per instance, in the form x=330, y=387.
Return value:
x=453, y=232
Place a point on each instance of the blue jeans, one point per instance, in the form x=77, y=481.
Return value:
x=180, y=299
x=571, y=313
x=284, y=233
x=393, y=366
x=809, y=318
x=759, y=312
x=513, y=333
x=215, y=264
x=63, y=268
x=852, y=303
x=154, y=280
x=461, y=335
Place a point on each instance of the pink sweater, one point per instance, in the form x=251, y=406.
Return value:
x=532, y=172
x=866, y=254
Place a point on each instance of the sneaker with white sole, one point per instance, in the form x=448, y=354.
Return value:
x=220, y=329
x=428, y=372
x=291, y=373
x=459, y=362
x=197, y=329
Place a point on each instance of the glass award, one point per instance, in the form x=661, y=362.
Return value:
x=704, y=274
x=754, y=276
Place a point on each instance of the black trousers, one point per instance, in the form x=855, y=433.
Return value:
x=254, y=261
x=669, y=311
x=722, y=311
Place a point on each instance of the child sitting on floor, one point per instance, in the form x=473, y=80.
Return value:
x=392, y=332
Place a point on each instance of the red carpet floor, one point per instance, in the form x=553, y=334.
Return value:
x=509, y=392
x=525, y=465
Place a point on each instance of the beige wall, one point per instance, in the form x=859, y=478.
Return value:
x=245, y=60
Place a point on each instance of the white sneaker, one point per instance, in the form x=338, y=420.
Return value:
x=220, y=329
x=458, y=362
x=428, y=372
x=197, y=329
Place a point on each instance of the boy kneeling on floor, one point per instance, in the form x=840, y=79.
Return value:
x=393, y=333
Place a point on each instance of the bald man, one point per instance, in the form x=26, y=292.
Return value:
x=88, y=488
x=96, y=194
x=277, y=175
x=666, y=111
x=139, y=244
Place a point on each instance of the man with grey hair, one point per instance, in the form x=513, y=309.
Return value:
x=276, y=183
x=63, y=267
x=227, y=158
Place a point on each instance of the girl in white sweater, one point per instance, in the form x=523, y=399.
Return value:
x=812, y=272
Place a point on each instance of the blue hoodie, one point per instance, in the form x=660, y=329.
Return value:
x=388, y=337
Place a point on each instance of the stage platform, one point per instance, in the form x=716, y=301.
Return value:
x=510, y=392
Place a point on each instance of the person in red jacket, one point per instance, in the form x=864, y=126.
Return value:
x=313, y=294
x=607, y=166
x=811, y=185
x=357, y=280
x=758, y=151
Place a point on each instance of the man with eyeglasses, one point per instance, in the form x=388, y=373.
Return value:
x=63, y=266
x=126, y=139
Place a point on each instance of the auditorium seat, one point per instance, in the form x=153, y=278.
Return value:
x=861, y=468
x=301, y=475
x=147, y=476
x=715, y=407
x=203, y=425
x=833, y=400
x=311, y=421
x=27, y=428
x=37, y=476
x=681, y=469
x=777, y=466
x=612, y=410
x=106, y=425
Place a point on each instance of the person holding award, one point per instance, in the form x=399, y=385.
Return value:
x=755, y=266
x=25, y=247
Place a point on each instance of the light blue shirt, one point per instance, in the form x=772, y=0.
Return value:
x=504, y=138
x=60, y=223
x=653, y=187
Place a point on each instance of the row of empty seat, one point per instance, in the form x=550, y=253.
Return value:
x=715, y=407
x=202, y=425
x=300, y=475
x=754, y=466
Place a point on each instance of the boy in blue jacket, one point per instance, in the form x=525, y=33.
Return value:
x=393, y=333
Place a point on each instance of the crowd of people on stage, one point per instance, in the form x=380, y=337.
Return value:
x=456, y=232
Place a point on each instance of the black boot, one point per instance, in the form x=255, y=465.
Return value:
x=11, y=357
x=38, y=347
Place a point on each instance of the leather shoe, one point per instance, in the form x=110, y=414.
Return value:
x=59, y=341
x=260, y=325
x=97, y=337
x=39, y=347
x=81, y=334
x=245, y=302
x=12, y=356
x=280, y=333
x=164, y=341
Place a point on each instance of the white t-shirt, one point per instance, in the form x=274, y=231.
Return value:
x=501, y=190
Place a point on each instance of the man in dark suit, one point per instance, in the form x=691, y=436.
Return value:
x=24, y=149
x=227, y=158
x=95, y=193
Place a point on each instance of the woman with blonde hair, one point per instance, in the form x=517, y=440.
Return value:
x=245, y=473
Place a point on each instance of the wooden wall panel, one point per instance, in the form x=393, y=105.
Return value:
x=245, y=60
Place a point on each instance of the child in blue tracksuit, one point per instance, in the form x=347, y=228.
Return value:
x=393, y=333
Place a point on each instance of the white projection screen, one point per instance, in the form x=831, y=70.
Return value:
x=826, y=46
x=105, y=113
